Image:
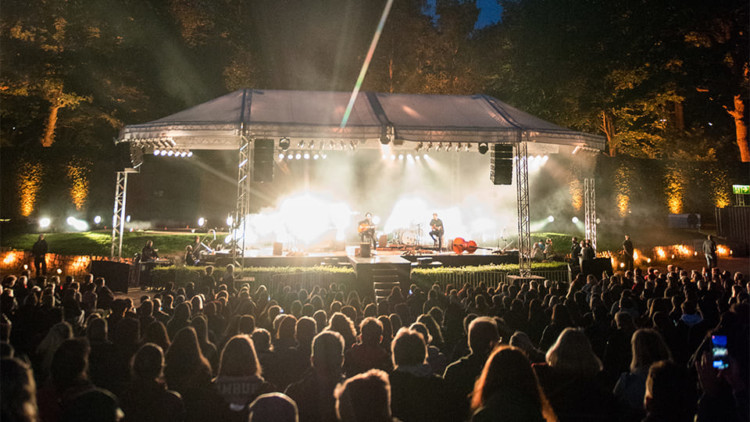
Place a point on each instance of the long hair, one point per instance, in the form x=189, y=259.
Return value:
x=508, y=373
x=341, y=324
x=184, y=358
x=572, y=354
x=238, y=358
x=648, y=347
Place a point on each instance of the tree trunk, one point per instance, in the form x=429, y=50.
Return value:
x=740, y=127
x=49, y=132
x=608, y=128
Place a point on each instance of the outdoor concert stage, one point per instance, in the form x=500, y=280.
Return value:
x=349, y=257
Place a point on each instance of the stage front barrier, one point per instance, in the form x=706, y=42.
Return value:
x=489, y=278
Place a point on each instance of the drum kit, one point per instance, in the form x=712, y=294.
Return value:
x=407, y=236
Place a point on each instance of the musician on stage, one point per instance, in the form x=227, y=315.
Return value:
x=148, y=256
x=366, y=230
x=437, y=231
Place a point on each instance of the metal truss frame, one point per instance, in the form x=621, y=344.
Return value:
x=520, y=160
x=589, y=207
x=242, y=206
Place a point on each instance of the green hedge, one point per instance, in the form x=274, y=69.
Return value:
x=182, y=275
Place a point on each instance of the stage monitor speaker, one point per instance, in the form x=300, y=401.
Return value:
x=501, y=164
x=364, y=250
x=115, y=274
x=263, y=161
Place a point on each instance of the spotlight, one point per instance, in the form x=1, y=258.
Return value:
x=323, y=156
x=316, y=156
x=290, y=156
x=170, y=153
x=575, y=220
x=156, y=152
x=483, y=147
x=281, y=156
x=230, y=220
x=301, y=144
x=183, y=154
x=297, y=156
x=201, y=222
x=190, y=153
x=44, y=222
x=417, y=157
x=59, y=271
x=551, y=219
x=312, y=144
x=127, y=219
x=393, y=156
x=163, y=152
x=401, y=156
x=307, y=156
x=97, y=219
x=409, y=157
x=284, y=144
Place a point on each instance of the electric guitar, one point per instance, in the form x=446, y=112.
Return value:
x=363, y=227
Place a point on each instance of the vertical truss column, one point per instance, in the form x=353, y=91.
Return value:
x=520, y=160
x=118, y=216
x=242, y=207
x=589, y=207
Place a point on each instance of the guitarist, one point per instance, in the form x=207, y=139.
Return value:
x=366, y=230
x=437, y=230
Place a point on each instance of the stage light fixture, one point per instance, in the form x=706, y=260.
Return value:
x=170, y=153
x=284, y=144
x=429, y=146
x=281, y=156
x=551, y=219
x=201, y=222
x=420, y=146
x=312, y=144
x=59, y=271
x=44, y=222
x=307, y=156
x=127, y=219
x=190, y=153
x=297, y=156
x=342, y=146
x=290, y=156
x=483, y=147
x=401, y=156
x=393, y=157
x=439, y=147
x=316, y=156
x=417, y=157
x=98, y=219
x=467, y=147
x=230, y=220
x=156, y=152
x=575, y=220
x=163, y=152
x=353, y=145
x=301, y=144
x=183, y=154
x=324, y=156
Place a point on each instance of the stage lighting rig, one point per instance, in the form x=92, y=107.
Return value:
x=483, y=147
x=284, y=144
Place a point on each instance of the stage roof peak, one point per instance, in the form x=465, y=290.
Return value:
x=402, y=119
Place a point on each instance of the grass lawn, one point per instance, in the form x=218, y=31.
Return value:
x=98, y=243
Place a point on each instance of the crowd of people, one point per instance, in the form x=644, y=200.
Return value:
x=636, y=346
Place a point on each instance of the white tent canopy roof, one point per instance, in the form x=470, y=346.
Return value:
x=317, y=115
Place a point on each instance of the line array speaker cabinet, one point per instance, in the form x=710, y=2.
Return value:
x=263, y=161
x=501, y=165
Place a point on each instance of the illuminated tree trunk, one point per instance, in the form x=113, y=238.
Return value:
x=608, y=127
x=49, y=132
x=740, y=127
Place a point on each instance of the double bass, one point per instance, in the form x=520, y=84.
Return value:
x=460, y=245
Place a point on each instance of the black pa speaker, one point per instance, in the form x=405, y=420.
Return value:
x=115, y=274
x=501, y=164
x=263, y=161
